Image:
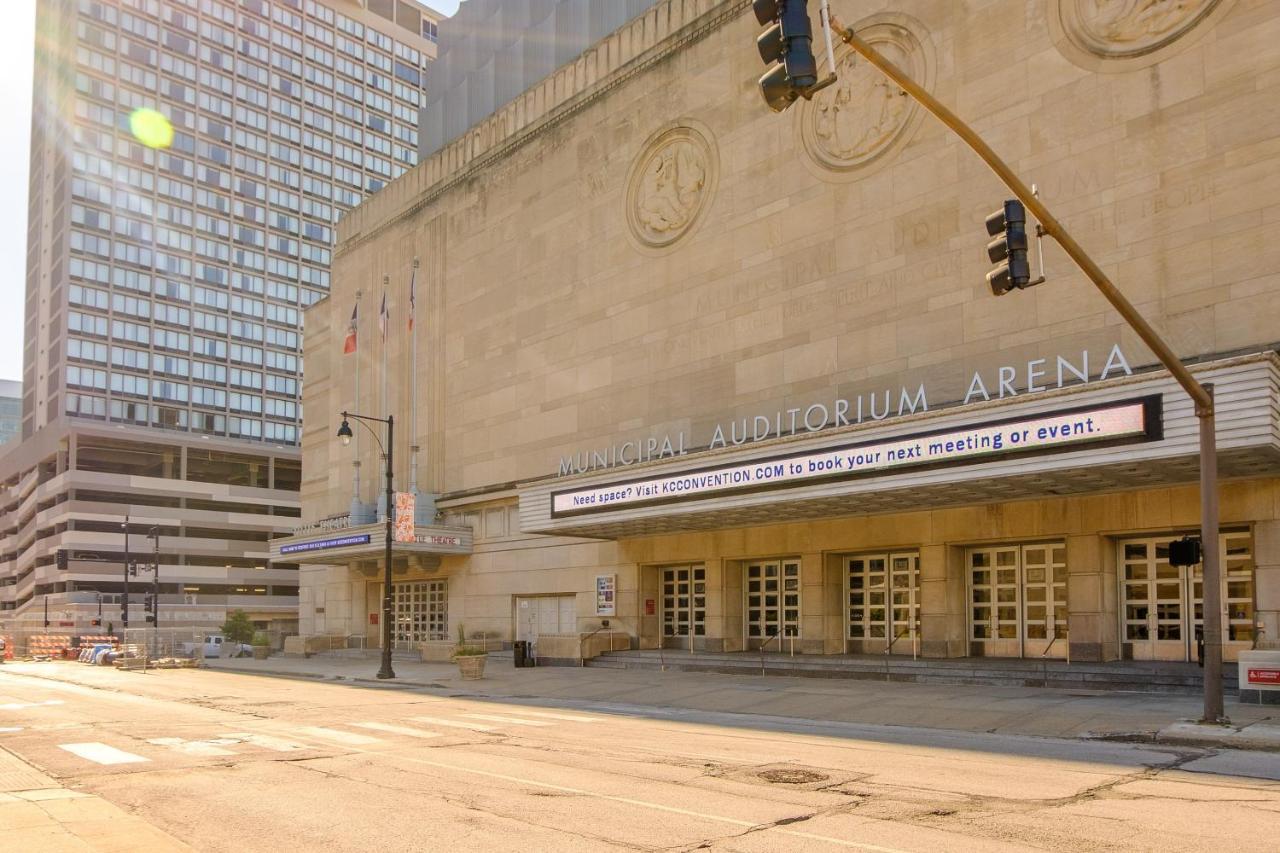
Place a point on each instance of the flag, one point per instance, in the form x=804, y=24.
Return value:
x=349, y=345
x=412, y=278
x=382, y=315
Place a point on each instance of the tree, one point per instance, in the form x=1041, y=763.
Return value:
x=238, y=628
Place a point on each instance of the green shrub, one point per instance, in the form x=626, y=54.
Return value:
x=238, y=628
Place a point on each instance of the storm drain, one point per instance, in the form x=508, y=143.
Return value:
x=792, y=776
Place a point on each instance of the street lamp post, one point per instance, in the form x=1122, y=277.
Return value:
x=155, y=580
x=344, y=433
x=124, y=607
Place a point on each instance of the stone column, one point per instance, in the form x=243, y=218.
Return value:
x=1091, y=598
x=814, y=607
x=1266, y=596
x=650, y=620
x=942, y=601
x=836, y=611
x=714, y=592
x=734, y=609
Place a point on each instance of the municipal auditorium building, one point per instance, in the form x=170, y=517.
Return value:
x=726, y=378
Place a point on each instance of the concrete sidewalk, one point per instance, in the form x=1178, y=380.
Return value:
x=36, y=813
x=1005, y=710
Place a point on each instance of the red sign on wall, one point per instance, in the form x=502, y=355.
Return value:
x=373, y=618
x=650, y=607
x=1263, y=676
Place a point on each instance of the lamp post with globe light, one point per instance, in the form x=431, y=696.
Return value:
x=344, y=435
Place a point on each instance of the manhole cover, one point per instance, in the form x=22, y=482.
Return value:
x=792, y=776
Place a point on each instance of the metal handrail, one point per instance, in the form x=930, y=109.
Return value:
x=773, y=637
x=582, y=661
x=889, y=648
x=1044, y=656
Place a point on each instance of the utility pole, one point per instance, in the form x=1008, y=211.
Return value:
x=124, y=607
x=781, y=91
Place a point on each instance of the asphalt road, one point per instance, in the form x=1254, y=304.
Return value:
x=235, y=762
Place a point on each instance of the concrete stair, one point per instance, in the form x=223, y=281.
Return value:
x=1134, y=676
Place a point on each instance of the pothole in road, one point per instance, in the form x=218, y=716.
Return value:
x=792, y=776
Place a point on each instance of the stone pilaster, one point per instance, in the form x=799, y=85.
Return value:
x=1091, y=598
x=1266, y=550
x=942, y=596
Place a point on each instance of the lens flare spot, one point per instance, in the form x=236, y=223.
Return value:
x=151, y=128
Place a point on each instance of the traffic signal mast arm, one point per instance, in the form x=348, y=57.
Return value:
x=1202, y=396
x=1203, y=400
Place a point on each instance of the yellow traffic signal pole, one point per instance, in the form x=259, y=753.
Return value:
x=1201, y=395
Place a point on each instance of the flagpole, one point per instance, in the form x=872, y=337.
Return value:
x=355, y=462
x=413, y=386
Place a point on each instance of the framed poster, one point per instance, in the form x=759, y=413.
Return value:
x=606, y=595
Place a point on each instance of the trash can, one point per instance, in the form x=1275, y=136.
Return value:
x=520, y=654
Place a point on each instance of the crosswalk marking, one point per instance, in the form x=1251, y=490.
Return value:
x=8, y=729
x=100, y=753
x=573, y=718
x=336, y=736
x=19, y=706
x=512, y=720
x=453, y=724
x=396, y=730
x=265, y=741
x=192, y=747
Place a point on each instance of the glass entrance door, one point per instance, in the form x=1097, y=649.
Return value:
x=1163, y=605
x=1018, y=600
x=684, y=605
x=884, y=601
x=421, y=613
x=773, y=602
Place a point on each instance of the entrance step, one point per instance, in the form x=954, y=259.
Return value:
x=1133, y=676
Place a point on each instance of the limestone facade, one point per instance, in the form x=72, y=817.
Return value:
x=637, y=250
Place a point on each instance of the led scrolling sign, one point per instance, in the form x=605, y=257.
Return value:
x=1134, y=420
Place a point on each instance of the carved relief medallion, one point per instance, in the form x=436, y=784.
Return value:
x=1134, y=33
x=671, y=184
x=863, y=118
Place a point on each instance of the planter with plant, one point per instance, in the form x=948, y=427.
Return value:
x=261, y=646
x=470, y=658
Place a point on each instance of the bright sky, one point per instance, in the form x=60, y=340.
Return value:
x=17, y=46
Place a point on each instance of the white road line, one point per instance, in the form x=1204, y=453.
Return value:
x=265, y=741
x=512, y=720
x=335, y=736
x=396, y=730
x=452, y=724
x=191, y=747
x=8, y=729
x=573, y=718
x=19, y=706
x=100, y=753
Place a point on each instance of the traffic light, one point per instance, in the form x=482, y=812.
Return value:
x=62, y=560
x=95, y=622
x=786, y=46
x=1009, y=250
x=149, y=604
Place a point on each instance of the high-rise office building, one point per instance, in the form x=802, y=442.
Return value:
x=10, y=410
x=168, y=264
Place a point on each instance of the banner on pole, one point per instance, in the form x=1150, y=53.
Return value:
x=403, y=529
